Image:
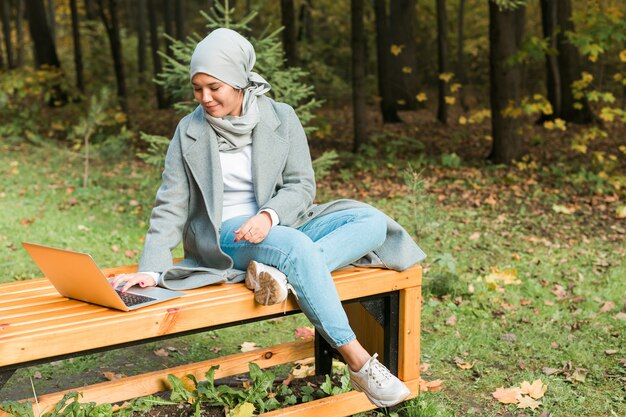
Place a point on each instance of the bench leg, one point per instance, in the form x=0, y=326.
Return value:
x=409, y=349
x=5, y=376
x=323, y=356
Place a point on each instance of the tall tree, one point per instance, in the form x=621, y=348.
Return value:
x=305, y=29
x=45, y=49
x=403, y=62
x=288, y=18
x=179, y=11
x=553, y=79
x=460, y=55
x=506, y=27
x=358, y=75
x=571, y=109
x=52, y=20
x=388, y=106
x=5, y=14
x=442, y=55
x=90, y=10
x=141, y=40
x=111, y=24
x=78, y=52
x=19, y=31
x=156, y=58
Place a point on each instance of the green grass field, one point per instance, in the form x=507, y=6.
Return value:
x=525, y=277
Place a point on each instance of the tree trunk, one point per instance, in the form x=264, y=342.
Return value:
x=113, y=31
x=141, y=41
x=52, y=18
x=78, y=54
x=388, y=105
x=505, y=29
x=5, y=12
x=288, y=17
x=358, y=75
x=19, y=31
x=156, y=58
x=179, y=9
x=305, y=30
x=442, y=49
x=569, y=68
x=45, y=50
x=553, y=80
x=460, y=56
x=90, y=10
x=168, y=25
x=403, y=66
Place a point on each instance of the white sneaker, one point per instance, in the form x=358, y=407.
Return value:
x=269, y=284
x=378, y=384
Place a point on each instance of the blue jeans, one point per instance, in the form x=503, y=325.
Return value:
x=308, y=254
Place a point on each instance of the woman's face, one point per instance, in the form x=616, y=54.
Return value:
x=216, y=97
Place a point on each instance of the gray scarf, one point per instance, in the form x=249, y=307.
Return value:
x=229, y=57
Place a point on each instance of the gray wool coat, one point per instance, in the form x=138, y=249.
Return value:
x=189, y=201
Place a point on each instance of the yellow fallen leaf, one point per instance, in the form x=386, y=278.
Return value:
x=242, y=410
x=112, y=376
x=507, y=395
x=526, y=402
x=504, y=277
x=188, y=383
x=535, y=390
x=302, y=371
x=620, y=212
x=396, y=49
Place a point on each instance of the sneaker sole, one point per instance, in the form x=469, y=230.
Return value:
x=251, y=283
x=381, y=403
x=268, y=291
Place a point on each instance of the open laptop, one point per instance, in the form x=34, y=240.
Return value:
x=76, y=275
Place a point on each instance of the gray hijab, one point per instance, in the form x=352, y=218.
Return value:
x=229, y=57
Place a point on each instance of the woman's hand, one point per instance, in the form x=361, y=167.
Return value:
x=255, y=229
x=139, y=278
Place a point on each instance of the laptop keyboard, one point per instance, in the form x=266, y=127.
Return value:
x=133, y=299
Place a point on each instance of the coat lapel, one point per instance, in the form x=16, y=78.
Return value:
x=202, y=156
x=269, y=151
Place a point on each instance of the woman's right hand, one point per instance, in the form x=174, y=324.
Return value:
x=139, y=278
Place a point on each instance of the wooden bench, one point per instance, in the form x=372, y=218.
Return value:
x=38, y=325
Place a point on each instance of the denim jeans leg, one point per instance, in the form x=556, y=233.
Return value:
x=296, y=255
x=346, y=235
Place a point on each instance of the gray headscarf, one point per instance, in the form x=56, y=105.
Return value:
x=229, y=57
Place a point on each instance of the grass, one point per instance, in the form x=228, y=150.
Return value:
x=472, y=220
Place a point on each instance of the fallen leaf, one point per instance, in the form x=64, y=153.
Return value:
x=551, y=371
x=161, y=352
x=249, y=346
x=288, y=380
x=607, y=306
x=304, y=332
x=432, y=386
x=302, y=371
x=243, y=410
x=216, y=349
x=504, y=277
x=536, y=390
x=527, y=402
x=464, y=365
x=424, y=367
x=506, y=395
x=37, y=375
x=620, y=316
x=451, y=321
x=474, y=236
x=188, y=383
x=509, y=337
x=557, y=208
x=131, y=253
x=620, y=212
x=112, y=376
x=579, y=375
x=115, y=248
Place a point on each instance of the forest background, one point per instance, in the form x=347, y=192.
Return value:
x=492, y=130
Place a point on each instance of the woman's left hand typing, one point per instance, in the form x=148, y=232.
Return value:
x=255, y=229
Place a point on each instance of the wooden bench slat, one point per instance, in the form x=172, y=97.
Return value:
x=156, y=381
x=106, y=327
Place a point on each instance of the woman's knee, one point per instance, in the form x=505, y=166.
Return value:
x=376, y=223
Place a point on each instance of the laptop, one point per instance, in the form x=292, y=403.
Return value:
x=76, y=275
